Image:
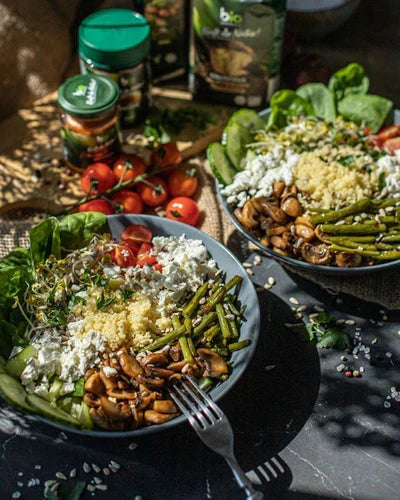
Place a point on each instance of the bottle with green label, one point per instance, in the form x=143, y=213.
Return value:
x=89, y=116
x=236, y=49
x=116, y=43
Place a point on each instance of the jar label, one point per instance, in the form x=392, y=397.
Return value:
x=81, y=150
x=133, y=89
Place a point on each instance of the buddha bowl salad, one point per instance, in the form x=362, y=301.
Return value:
x=319, y=180
x=93, y=330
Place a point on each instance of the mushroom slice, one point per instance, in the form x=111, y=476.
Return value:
x=262, y=205
x=305, y=220
x=101, y=420
x=278, y=242
x=145, y=401
x=304, y=232
x=155, y=358
x=276, y=231
x=110, y=383
x=151, y=382
x=177, y=366
x=115, y=411
x=265, y=241
x=130, y=365
x=348, y=259
x=165, y=406
x=216, y=365
x=175, y=352
x=122, y=394
x=291, y=206
x=91, y=400
x=316, y=254
x=278, y=188
x=248, y=216
x=153, y=417
x=158, y=372
x=94, y=384
x=138, y=417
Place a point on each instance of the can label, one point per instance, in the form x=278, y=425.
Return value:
x=236, y=49
x=133, y=90
x=81, y=150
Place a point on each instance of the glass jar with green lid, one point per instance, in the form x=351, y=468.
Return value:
x=116, y=43
x=90, y=120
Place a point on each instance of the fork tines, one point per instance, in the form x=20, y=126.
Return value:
x=194, y=403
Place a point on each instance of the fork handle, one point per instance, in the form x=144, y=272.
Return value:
x=242, y=480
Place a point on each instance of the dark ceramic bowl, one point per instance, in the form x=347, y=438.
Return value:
x=249, y=329
x=295, y=263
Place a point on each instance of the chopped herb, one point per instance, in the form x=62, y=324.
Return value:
x=346, y=161
x=381, y=181
x=50, y=298
x=75, y=300
x=323, y=331
x=156, y=134
x=102, y=302
x=126, y=294
x=101, y=281
x=58, y=316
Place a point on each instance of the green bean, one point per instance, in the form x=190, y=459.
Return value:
x=211, y=333
x=365, y=253
x=216, y=286
x=214, y=299
x=235, y=281
x=207, y=320
x=236, y=346
x=175, y=322
x=385, y=246
x=335, y=215
x=383, y=255
x=165, y=339
x=191, y=347
x=354, y=244
x=188, y=325
x=223, y=322
x=388, y=202
x=357, y=239
x=243, y=309
x=353, y=228
x=319, y=210
x=386, y=219
x=205, y=383
x=391, y=237
x=191, y=307
x=233, y=328
x=187, y=354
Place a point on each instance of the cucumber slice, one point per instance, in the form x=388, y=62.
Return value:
x=248, y=118
x=45, y=409
x=84, y=417
x=79, y=388
x=55, y=390
x=13, y=392
x=66, y=402
x=219, y=163
x=16, y=365
x=235, y=138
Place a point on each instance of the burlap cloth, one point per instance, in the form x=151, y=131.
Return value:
x=30, y=168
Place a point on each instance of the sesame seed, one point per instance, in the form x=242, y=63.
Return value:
x=271, y=281
x=301, y=309
x=19, y=484
x=106, y=471
x=249, y=272
x=313, y=315
x=298, y=316
x=55, y=486
x=388, y=354
x=20, y=474
x=374, y=341
x=340, y=367
x=60, y=475
x=97, y=480
x=268, y=287
x=257, y=260
x=350, y=322
x=319, y=308
x=113, y=469
x=269, y=367
x=72, y=474
x=86, y=468
x=38, y=467
x=16, y=494
x=115, y=464
x=91, y=487
x=50, y=483
x=340, y=321
x=96, y=468
x=102, y=487
x=294, y=301
x=247, y=265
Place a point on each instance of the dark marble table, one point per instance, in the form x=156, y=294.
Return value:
x=303, y=430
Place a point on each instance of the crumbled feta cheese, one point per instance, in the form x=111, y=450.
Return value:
x=389, y=166
x=109, y=371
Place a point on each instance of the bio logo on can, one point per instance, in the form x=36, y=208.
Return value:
x=229, y=18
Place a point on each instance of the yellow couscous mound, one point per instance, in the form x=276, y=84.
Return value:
x=328, y=184
x=128, y=323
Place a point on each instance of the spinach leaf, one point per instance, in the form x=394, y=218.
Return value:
x=76, y=230
x=349, y=80
x=371, y=110
x=45, y=241
x=15, y=272
x=320, y=98
x=284, y=104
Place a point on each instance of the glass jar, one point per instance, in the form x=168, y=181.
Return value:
x=115, y=43
x=90, y=120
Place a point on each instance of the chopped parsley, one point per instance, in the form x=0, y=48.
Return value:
x=323, y=332
x=102, y=302
x=126, y=294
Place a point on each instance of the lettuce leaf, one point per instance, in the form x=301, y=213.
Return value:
x=320, y=98
x=349, y=80
x=76, y=230
x=371, y=110
x=286, y=103
x=45, y=241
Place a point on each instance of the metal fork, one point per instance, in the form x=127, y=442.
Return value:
x=212, y=427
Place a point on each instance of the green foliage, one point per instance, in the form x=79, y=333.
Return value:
x=371, y=110
x=321, y=99
x=76, y=230
x=349, y=80
x=324, y=332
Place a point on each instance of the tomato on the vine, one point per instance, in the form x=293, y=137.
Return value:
x=154, y=192
x=130, y=202
x=135, y=235
x=165, y=155
x=183, y=182
x=97, y=178
x=97, y=206
x=123, y=256
x=183, y=209
x=128, y=167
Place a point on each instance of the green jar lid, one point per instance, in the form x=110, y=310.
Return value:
x=87, y=95
x=114, y=39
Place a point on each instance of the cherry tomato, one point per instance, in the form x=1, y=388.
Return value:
x=392, y=145
x=131, y=202
x=145, y=247
x=183, y=182
x=144, y=257
x=153, y=197
x=128, y=167
x=184, y=210
x=123, y=256
x=97, y=206
x=388, y=132
x=97, y=178
x=136, y=234
x=165, y=155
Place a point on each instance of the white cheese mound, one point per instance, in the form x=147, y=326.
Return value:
x=390, y=167
x=69, y=360
x=260, y=174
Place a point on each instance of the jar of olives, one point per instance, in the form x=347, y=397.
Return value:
x=90, y=120
x=116, y=43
